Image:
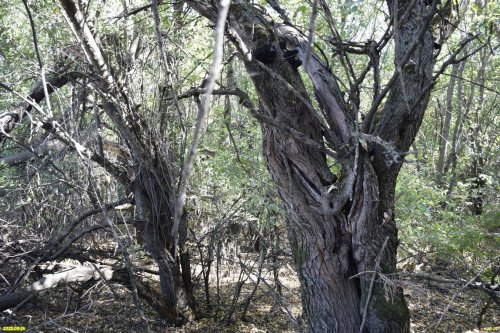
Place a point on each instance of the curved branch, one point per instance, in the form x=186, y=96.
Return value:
x=9, y=120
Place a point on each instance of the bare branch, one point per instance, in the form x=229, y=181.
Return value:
x=9, y=120
x=202, y=114
x=40, y=63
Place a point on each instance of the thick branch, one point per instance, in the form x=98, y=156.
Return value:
x=80, y=26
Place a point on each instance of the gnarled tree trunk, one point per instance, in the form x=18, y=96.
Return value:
x=154, y=215
x=342, y=231
x=150, y=179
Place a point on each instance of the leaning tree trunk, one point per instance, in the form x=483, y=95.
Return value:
x=150, y=180
x=342, y=231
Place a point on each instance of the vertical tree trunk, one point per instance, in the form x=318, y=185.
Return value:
x=153, y=211
x=330, y=248
x=457, y=132
x=445, y=131
x=320, y=243
x=478, y=158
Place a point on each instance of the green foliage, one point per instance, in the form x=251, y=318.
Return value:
x=229, y=174
x=431, y=221
x=230, y=185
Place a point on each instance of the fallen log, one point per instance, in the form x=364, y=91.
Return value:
x=81, y=274
x=68, y=275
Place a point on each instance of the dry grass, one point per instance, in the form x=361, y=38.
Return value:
x=97, y=309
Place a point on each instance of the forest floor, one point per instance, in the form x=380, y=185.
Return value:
x=103, y=308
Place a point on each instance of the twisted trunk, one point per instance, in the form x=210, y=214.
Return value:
x=342, y=231
x=329, y=248
x=154, y=218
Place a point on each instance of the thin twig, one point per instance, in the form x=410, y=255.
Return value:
x=447, y=307
x=202, y=115
x=40, y=63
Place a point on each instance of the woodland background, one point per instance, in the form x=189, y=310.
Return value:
x=62, y=208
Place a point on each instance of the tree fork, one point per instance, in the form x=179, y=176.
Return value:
x=330, y=246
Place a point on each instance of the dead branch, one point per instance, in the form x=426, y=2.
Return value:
x=82, y=274
x=8, y=120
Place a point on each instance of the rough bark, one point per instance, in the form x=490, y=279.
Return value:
x=320, y=243
x=399, y=122
x=340, y=230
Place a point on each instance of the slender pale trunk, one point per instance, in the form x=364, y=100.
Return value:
x=444, y=136
x=457, y=132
